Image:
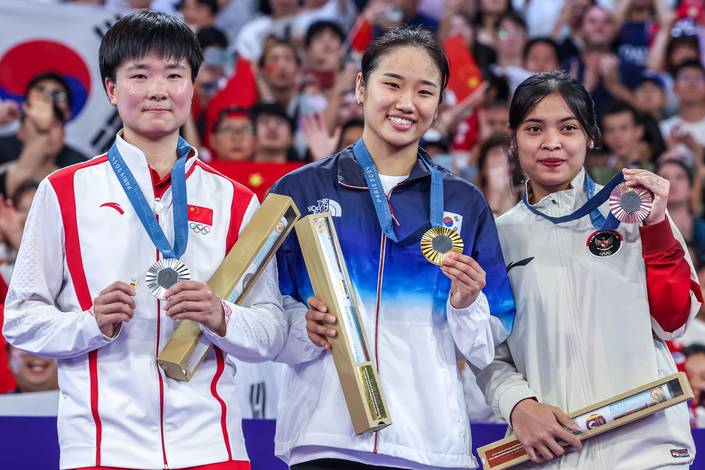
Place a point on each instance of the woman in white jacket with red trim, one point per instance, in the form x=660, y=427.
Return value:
x=595, y=304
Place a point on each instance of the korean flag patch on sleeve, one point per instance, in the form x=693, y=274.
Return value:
x=453, y=221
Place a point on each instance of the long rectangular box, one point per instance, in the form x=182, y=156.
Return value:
x=331, y=283
x=238, y=272
x=599, y=418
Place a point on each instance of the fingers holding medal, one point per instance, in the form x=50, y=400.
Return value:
x=467, y=279
x=656, y=185
x=193, y=300
x=114, y=305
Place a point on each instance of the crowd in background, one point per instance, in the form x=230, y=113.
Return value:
x=277, y=86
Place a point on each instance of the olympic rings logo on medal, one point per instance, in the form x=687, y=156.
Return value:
x=200, y=228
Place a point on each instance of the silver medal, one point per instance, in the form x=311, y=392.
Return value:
x=165, y=273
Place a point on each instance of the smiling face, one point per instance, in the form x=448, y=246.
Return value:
x=33, y=373
x=551, y=145
x=400, y=98
x=152, y=94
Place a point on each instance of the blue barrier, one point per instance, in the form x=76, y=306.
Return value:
x=30, y=443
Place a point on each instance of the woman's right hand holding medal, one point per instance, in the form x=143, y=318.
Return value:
x=318, y=323
x=115, y=304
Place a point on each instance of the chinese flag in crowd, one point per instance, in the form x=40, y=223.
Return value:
x=259, y=177
x=465, y=75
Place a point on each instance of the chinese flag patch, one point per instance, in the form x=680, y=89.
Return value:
x=202, y=215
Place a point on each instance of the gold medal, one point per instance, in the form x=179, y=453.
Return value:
x=438, y=241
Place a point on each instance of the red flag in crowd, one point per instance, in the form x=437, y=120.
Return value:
x=465, y=75
x=240, y=91
x=259, y=177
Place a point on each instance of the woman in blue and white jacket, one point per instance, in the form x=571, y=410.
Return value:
x=419, y=318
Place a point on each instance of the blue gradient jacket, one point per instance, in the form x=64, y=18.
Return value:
x=415, y=334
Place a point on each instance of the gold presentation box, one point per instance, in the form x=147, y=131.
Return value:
x=238, y=272
x=331, y=283
x=599, y=418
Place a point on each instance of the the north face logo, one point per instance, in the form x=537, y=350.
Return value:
x=326, y=205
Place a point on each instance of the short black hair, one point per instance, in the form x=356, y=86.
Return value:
x=537, y=87
x=211, y=4
x=270, y=108
x=693, y=349
x=619, y=107
x=317, y=27
x=53, y=76
x=512, y=16
x=541, y=40
x=688, y=64
x=406, y=37
x=144, y=32
x=211, y=37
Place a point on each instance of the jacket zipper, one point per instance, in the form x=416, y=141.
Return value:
x=378, y=301
x=159, y=373
x=380, y=275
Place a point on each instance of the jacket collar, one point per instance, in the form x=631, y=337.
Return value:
x=350, y=171
x=566, y=201
x=136, y=161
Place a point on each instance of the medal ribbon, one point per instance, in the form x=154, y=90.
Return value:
x=144, y=211
x=379, y=198
x=590, y=207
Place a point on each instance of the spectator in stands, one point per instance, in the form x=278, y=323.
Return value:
x=494, y=175
x=250, y=42
x=13, y=214
x=689, y=87
x=566, y=28
x=541, y=55
x=279, y=69
x=232, y=138
x=636, y=23
x=649, y=97
x=622, y=133
x=488, y=12
x=33, y=373
x=273, y=133
x=596, y=57
x=41, y=133
x=511, y=39
x=350, y=132
x=199, y=14
x=211, y=76
x=322, y=53
x=681, y=203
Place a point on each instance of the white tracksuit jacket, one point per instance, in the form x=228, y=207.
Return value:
x=117, y=408
x=583, y=333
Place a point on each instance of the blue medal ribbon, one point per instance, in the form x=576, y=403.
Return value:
x=143, y=209
x=379, y=198
x=590, y=207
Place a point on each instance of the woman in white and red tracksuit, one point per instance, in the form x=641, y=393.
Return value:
x=595, y=304
x=85, y=241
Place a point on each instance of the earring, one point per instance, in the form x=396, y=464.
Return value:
x=359, y=103
x=591, y=144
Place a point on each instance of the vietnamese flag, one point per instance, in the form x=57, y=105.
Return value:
x=465, y=75
x=201, y=215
